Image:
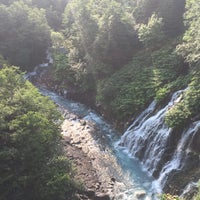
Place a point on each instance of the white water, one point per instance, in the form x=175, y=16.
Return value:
x=178, y=160
x=146, y=138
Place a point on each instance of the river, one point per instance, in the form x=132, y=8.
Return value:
x=137, y=181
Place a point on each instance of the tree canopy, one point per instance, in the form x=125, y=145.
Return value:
x=191, y=39
x=24, y=34
x=31, y=161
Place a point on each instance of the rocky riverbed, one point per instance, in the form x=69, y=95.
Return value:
x=87, y=147
x=96, y=167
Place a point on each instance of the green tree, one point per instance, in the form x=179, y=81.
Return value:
x=189, y=108
x=58, y=40
x=31, y=163
x=171, y=11
x=24, y=34
x=151, y=34
x=54, y=10
x=64, y=74
x=189, y=49
x=101, y=31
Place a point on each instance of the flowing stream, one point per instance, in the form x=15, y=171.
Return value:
x=137, y=180
x=145, y=150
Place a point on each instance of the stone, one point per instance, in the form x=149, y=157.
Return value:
x=140, y=194
x=90, y=193
x=83, y=122
x=113, y=179
x=101, y=196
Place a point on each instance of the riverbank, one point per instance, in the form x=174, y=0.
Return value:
x=81, y=148
x=87, y=142
x=96, y=167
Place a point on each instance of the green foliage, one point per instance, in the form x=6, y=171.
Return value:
x=178, y=115
x=80, y=27
x=169, y=197
x=161, y=94
x=170, y=11
x=165, y=91
x=128, y=90
x=181, y=113
x=2, y=61
x=151, y=75
x=168, y=65
x=104, y=33
x=31, y=162
x=63, y=72
x=151, y=34
x=116, y=40
x=24, y=34
x=197, y=196
x=54, y=11
x=68, y=75
x=191, y=44
x=57, y=40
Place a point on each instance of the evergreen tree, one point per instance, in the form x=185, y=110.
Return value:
x=24, y=34
x=31, y=163
x=191, y=42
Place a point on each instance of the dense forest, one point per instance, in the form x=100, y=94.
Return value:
x=114, y=55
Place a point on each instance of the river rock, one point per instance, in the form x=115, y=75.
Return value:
x=140, y=194
x=83, y=122
x=101, y=196
x=90, y=193
x=88, y=158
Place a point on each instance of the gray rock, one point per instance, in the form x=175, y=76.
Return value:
x=140, y=194
x=101, y=196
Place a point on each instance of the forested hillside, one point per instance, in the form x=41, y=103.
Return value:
x=114, y=55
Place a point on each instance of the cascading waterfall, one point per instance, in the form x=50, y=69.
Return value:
x=148, y=139
x=180, y=155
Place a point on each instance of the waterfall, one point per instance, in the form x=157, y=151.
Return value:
x=148, y=139
x=179, y=159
